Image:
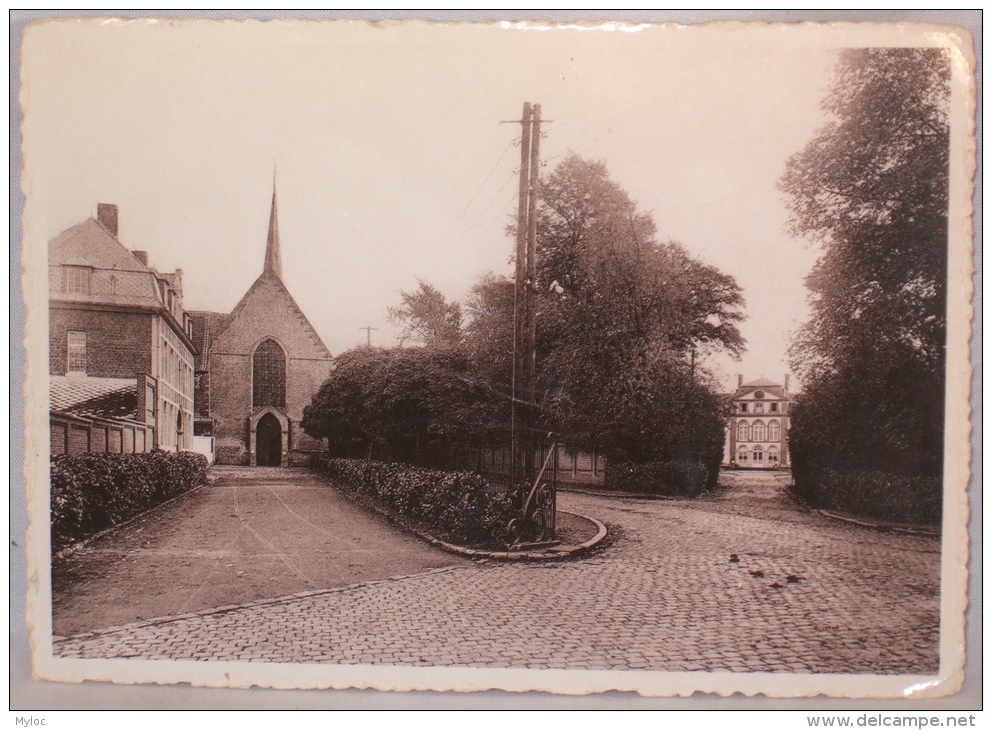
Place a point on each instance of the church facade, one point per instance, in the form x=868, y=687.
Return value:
x=257, y=369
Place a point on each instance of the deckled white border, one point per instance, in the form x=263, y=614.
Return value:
x=237, y=674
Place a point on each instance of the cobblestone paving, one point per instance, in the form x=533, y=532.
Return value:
x=664, y=595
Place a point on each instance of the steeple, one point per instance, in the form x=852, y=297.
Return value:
x=273, y=258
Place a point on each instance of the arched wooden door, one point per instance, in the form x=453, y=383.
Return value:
x=268, y=441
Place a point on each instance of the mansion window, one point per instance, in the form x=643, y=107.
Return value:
x=774, y=407
x=772, y=456
x=759, y=407
x=774, y=432
x=77, y=280
x=758, y=431
x=269, y=375
x=743, y=407
x=76, y=353
x=758, y=455
x=743, y=431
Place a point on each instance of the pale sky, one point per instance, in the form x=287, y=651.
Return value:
x=393, y=164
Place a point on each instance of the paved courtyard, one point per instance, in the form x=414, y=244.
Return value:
x=805, y=594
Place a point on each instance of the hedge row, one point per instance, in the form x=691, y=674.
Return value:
x=876, y=494
x=459, y=507
x=669, y=478
x=91, y=492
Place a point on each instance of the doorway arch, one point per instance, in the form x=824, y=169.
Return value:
x=268, y=441
x=268, y=437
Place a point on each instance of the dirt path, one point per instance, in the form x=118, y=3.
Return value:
x=756, y=494
x=250, y=534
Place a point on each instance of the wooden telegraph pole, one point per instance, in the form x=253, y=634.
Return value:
x=524, y=400
x=519, y=304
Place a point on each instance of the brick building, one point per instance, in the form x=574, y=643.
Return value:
x=757, y=429
x=256, y=370
x=120, y=348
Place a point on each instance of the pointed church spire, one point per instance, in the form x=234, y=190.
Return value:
x=273, y=258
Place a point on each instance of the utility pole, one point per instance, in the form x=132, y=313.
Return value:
x=530, y=326
x=517, y=422
x=524, y=386
x=368, y=332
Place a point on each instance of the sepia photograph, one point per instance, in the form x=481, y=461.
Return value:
x=524, y=356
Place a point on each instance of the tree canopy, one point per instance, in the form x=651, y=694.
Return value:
x=872, y=189
x=620, y=316
x=427, y=317
x=414, y=404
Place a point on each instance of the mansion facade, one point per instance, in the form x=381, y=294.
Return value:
x=758, y=426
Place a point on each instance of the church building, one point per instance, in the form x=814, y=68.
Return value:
x=257, y=369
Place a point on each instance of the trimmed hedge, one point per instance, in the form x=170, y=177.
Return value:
x=876, y=494
x=91, y=492
x=669, y=478
x=459, y=507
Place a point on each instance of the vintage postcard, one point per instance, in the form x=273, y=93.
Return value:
x=569, y=358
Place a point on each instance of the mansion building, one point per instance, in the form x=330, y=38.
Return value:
x=757, y=429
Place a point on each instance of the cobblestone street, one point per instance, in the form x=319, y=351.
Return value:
x=805, y=594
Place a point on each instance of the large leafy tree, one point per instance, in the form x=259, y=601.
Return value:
x=872, y=189
x=620, y=317
x=418, y=405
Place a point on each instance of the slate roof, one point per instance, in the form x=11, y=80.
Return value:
x=771, y=388
x=762, y=383
x=118, y=278
x=206, y=325
x=88, y=397
x=90, y=244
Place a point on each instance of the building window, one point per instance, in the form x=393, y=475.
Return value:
x=77, y=280
x=743, y=431
x=743, y=407
x=76, y=353
x=759, y=407
x=774, y=407
x=758, y=431
x=741, y=457
x=758, y=455
x=774, y=432
x=269, y=375
x=772, y=456
x=149, y=404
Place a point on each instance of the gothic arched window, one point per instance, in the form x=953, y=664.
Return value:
x=743, y=431
x=758, y=431
x=774, y=434
x=268, y=379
